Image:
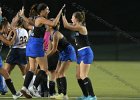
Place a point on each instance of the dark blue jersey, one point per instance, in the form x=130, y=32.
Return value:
x=81, y=40
x=62, y=44
x=39, y=32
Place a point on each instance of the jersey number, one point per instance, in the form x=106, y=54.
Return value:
x=23, y=39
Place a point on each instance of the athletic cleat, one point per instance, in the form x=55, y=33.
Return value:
x=26, y=92
x=90, y=98
x=65, y=97
x=53, y=96
x=81, y=98
x=59, y=96
x=34, y=91
x=17, y=95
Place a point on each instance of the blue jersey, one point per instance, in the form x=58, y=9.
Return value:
x=66, y=50
x=34, y=47
x=81, y=40
x=62, y=44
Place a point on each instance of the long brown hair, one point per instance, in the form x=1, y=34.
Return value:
x=80, y=16
x=4, y=25
x=41, y=7
x=33, y=10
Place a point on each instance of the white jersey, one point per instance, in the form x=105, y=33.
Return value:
x=21, y=39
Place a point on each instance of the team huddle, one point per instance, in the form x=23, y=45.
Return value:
x=44, y=51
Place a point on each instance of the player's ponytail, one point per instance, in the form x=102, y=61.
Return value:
x=4, y=24
x=83, y=17
x=80, y=16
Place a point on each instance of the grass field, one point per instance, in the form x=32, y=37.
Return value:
x=112, y=80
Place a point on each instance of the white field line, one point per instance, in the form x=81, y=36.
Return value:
x=99, y=98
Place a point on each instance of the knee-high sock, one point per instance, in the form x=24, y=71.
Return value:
x=10, y=85
x=44, y=87
x=32, y=81
x=58, y=85
x=45, y=83
x=52, y=87
x=39, y=78
x=28, y=79
x=63, y=83
x=88, y=86
x=83, y=88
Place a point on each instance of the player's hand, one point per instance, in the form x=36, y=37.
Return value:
x=64, y=10
x=64, y=6
x=21, y=12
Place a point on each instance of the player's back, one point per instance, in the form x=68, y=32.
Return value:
x=21, y=39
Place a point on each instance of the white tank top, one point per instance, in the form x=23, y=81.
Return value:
x=21, y=39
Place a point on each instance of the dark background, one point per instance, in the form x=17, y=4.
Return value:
x=123, y=13
x=113, y=25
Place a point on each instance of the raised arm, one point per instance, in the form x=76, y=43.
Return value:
x=69, y=25
x=21, y=14
x=54, y=22
x=15, y=20
x=6, y=41
x=28, y=26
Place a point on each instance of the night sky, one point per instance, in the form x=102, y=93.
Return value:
x=122, y=13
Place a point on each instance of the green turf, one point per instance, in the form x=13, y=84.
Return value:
x=110, y=79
